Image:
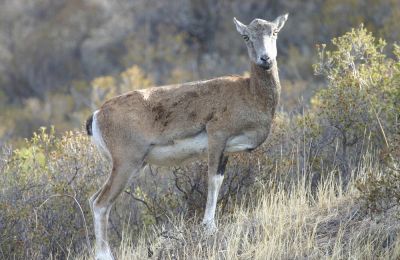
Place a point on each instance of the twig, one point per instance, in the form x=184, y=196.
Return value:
x=76, y=173
x=80, y=208
x=140, y=200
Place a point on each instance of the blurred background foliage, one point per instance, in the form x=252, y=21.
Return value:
x=60, y=60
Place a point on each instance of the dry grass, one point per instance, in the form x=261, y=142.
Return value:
x=329, y=223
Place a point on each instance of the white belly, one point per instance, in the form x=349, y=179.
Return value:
x=184, y=150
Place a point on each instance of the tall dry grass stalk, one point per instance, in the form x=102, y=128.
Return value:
x=295, y=223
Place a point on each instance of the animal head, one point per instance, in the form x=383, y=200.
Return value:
x=260, y=37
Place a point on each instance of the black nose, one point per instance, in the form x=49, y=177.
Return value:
x=266, y=62
x=265, y=58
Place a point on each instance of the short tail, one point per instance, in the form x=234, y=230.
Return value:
x=89, y=122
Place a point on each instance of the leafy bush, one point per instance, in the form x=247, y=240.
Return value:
x=381, y=192
x=44, y=191
x=357, y=110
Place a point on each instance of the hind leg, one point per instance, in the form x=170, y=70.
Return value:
x=104, y=199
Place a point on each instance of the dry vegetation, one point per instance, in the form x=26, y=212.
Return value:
x=52, y=52
x=277, y=223
x=324, y=185
x=280, y=212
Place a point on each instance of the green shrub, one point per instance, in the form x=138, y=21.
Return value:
x=381, y=192
x=43, y=185
x=358, y=112
x=357, y=109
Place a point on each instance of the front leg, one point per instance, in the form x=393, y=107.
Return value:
x=216, y=167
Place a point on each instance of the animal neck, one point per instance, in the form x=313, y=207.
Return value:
x=265, y=84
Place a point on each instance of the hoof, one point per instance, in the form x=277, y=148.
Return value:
x=104, y=255
x=209, y=227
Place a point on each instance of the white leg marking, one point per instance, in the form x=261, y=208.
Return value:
x=103, y=250
x=214, y=185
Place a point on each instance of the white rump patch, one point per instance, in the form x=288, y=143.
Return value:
x=98, y=137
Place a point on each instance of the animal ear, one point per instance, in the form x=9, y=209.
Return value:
x=280, y=21
x=241, y=28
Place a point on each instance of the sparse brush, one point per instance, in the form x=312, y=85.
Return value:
x=278, y=224
x=288, y=199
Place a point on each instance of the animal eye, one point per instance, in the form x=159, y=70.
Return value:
x=275, y=33
x=245, y=37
